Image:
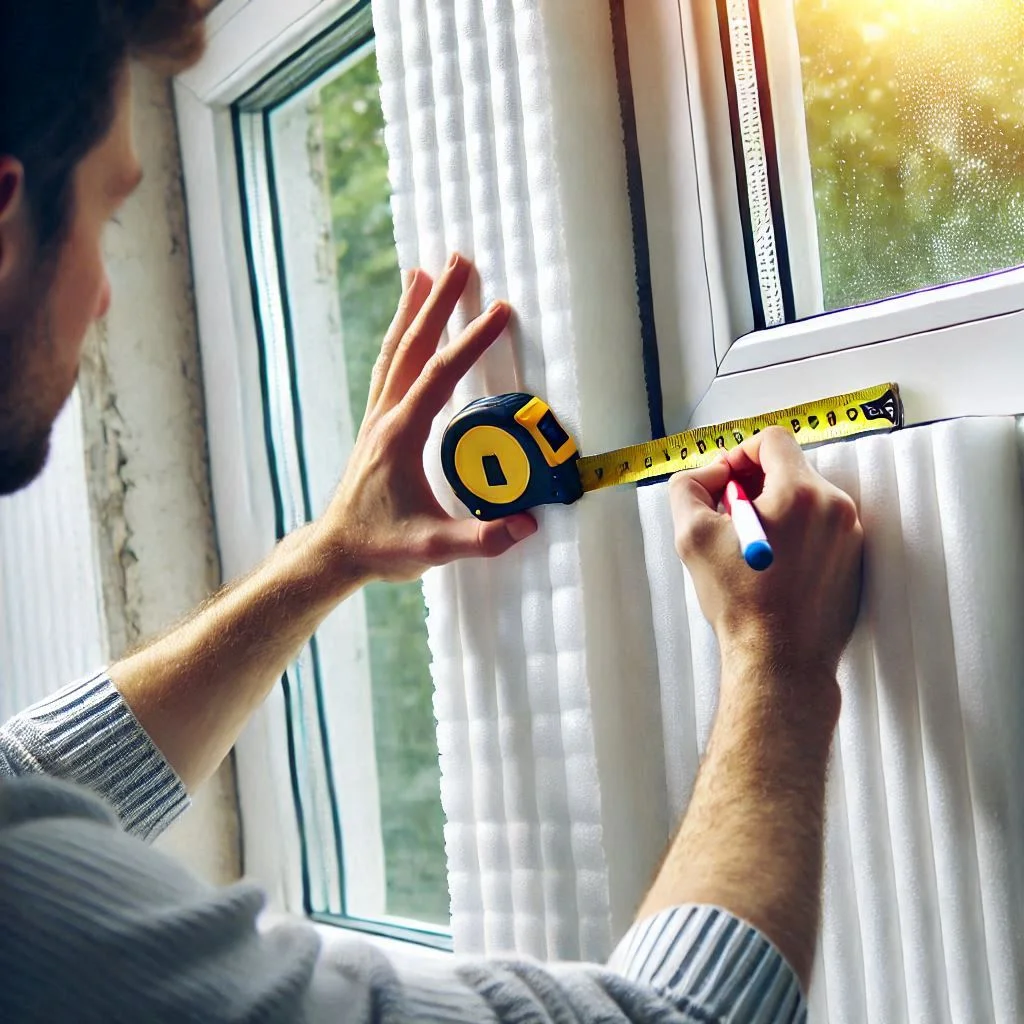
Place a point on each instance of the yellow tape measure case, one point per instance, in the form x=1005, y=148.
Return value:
x=508, y=453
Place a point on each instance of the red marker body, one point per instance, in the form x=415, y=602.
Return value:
x=753, y=542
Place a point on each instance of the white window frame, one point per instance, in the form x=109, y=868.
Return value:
x=954, y=350
x=248, y=41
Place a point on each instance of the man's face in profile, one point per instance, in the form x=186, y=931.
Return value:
x=50, y=297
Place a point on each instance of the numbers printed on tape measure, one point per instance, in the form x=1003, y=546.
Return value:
x=872, y=410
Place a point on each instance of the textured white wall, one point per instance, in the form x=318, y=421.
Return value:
x=146, y=445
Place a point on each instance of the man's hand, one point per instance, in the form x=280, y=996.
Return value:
x=751, y=841
x=194, y=689
x=385, y=522
x=800, y=612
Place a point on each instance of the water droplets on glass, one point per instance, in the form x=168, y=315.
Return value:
x=915, y=122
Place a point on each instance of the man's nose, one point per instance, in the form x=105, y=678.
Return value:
x=103, y=305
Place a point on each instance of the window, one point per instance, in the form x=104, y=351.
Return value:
x=833, y=195
x=325, y=284
x=914, y=132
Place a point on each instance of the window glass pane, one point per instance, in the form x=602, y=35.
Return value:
x=341, y=279
x=915, y=121
x=369, y=288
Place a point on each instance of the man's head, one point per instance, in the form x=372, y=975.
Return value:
x=67, y=163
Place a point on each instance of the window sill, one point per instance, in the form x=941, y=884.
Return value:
x=337, y=937
x=917, y=313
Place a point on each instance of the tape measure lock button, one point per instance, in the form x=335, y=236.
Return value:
x=552, y=439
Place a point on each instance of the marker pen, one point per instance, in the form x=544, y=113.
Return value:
x=753, y=542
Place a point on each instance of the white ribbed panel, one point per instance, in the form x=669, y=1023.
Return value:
x=924, y=879
x=51, y=623
x=477, y=141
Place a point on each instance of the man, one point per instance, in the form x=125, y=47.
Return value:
x=94, y=925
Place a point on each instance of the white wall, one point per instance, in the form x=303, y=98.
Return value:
x=146, y=445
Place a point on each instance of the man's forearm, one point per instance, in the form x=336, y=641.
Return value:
x=194, y=689
x=751, y=841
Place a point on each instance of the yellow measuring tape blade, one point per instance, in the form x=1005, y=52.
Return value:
x=869, y=411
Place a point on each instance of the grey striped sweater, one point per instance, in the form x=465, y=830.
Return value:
x=95, y=926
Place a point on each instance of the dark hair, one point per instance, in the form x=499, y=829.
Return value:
x=60, y=64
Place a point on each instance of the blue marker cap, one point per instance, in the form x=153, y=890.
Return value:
x=759, y=555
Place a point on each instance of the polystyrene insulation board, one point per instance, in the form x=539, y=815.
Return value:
x=505, y=142
x=924, y=859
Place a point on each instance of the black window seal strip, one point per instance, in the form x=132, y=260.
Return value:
x=638, y=213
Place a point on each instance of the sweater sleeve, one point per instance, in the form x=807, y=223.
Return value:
x=99, y=927
x=87, y=734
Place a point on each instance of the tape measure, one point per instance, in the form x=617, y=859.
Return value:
x=509, y=453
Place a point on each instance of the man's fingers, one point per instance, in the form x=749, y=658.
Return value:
x=768, y=464
x=424, y=335
x=463, y=538
x=416, y=289
x=699, y=487
x=428, y=395
x=784, y=477
x=711, y=480
x=773, y=450
x=694, y=496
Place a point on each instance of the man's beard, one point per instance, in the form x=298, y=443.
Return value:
x=28, y=404
x=22, y=462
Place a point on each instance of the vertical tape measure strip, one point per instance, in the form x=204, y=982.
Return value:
x=748, y=103
x=869, y=411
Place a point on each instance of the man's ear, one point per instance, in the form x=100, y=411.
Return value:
x=13, y=213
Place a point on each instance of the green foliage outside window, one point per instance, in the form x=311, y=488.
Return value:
x=369, y=287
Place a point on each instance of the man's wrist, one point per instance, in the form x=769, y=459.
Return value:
x=321, y=564
x=770, y=686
